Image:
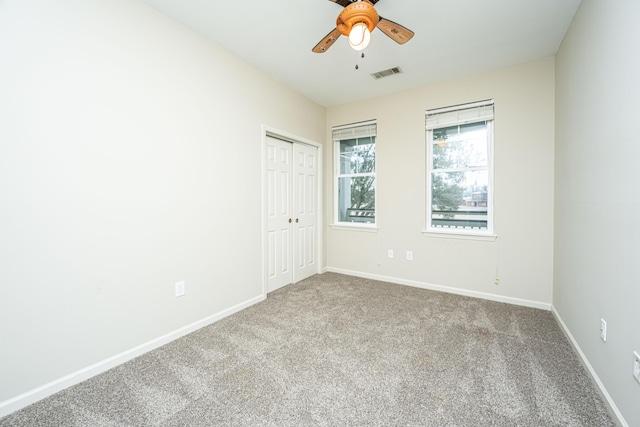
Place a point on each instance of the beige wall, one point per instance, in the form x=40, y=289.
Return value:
x=130, y=158
x=597, y=203
x=524, y=138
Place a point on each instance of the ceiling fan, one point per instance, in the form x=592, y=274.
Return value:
x=356, y=21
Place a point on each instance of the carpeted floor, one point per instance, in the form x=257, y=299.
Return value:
x=336, y=350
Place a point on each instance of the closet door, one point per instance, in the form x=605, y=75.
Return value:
x=305, y=170
x=279, y=213
x=292, y=218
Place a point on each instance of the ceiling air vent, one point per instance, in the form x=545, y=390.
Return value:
x=387, y=72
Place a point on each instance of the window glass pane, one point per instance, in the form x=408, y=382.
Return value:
x=358, y=155
x=356, y=199
x=459, y=199
x=463, y=146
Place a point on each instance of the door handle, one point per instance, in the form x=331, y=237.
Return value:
x=296, y=220
x=289, y=220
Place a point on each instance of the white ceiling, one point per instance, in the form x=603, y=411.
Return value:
x=453, y=38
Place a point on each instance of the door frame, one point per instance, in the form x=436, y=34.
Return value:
x=289, y=137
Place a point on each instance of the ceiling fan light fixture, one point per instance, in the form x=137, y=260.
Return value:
x=361, y=14
x=359, y=36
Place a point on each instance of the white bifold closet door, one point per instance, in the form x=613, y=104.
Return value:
x=291, y=212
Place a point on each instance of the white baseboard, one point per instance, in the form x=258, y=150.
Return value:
x=592, y=372
x=32, y=396
x=441, y=288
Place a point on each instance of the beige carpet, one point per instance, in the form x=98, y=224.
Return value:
x=336, y=350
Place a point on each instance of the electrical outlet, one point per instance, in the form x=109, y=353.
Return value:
x=603, y=330
x=497, y=281
x=409, y=256
x=180, y=288
x=636, y=366
x=390, y=253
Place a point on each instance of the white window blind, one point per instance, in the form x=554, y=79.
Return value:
x=358, y=130
x=458, y=115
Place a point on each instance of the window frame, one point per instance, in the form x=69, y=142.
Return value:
x=429, y=229
x=338, y=131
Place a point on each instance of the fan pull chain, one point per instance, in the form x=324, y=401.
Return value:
x=361, y=56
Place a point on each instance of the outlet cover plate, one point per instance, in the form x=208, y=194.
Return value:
x=180, y=288
x=603, y=330
x=636, y=366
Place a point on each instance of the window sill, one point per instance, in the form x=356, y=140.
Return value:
x=369, y=228
x=461, y=236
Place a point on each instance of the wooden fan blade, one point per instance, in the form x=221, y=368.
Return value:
x=394, y=30
x=327, y=41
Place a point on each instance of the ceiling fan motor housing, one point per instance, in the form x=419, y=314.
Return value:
x=361, y=11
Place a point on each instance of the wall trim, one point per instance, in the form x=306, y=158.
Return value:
x=447, y=289
x=603, y=391
x=22, y=400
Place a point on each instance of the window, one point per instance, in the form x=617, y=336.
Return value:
x=355, y=174
x=460, y=169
